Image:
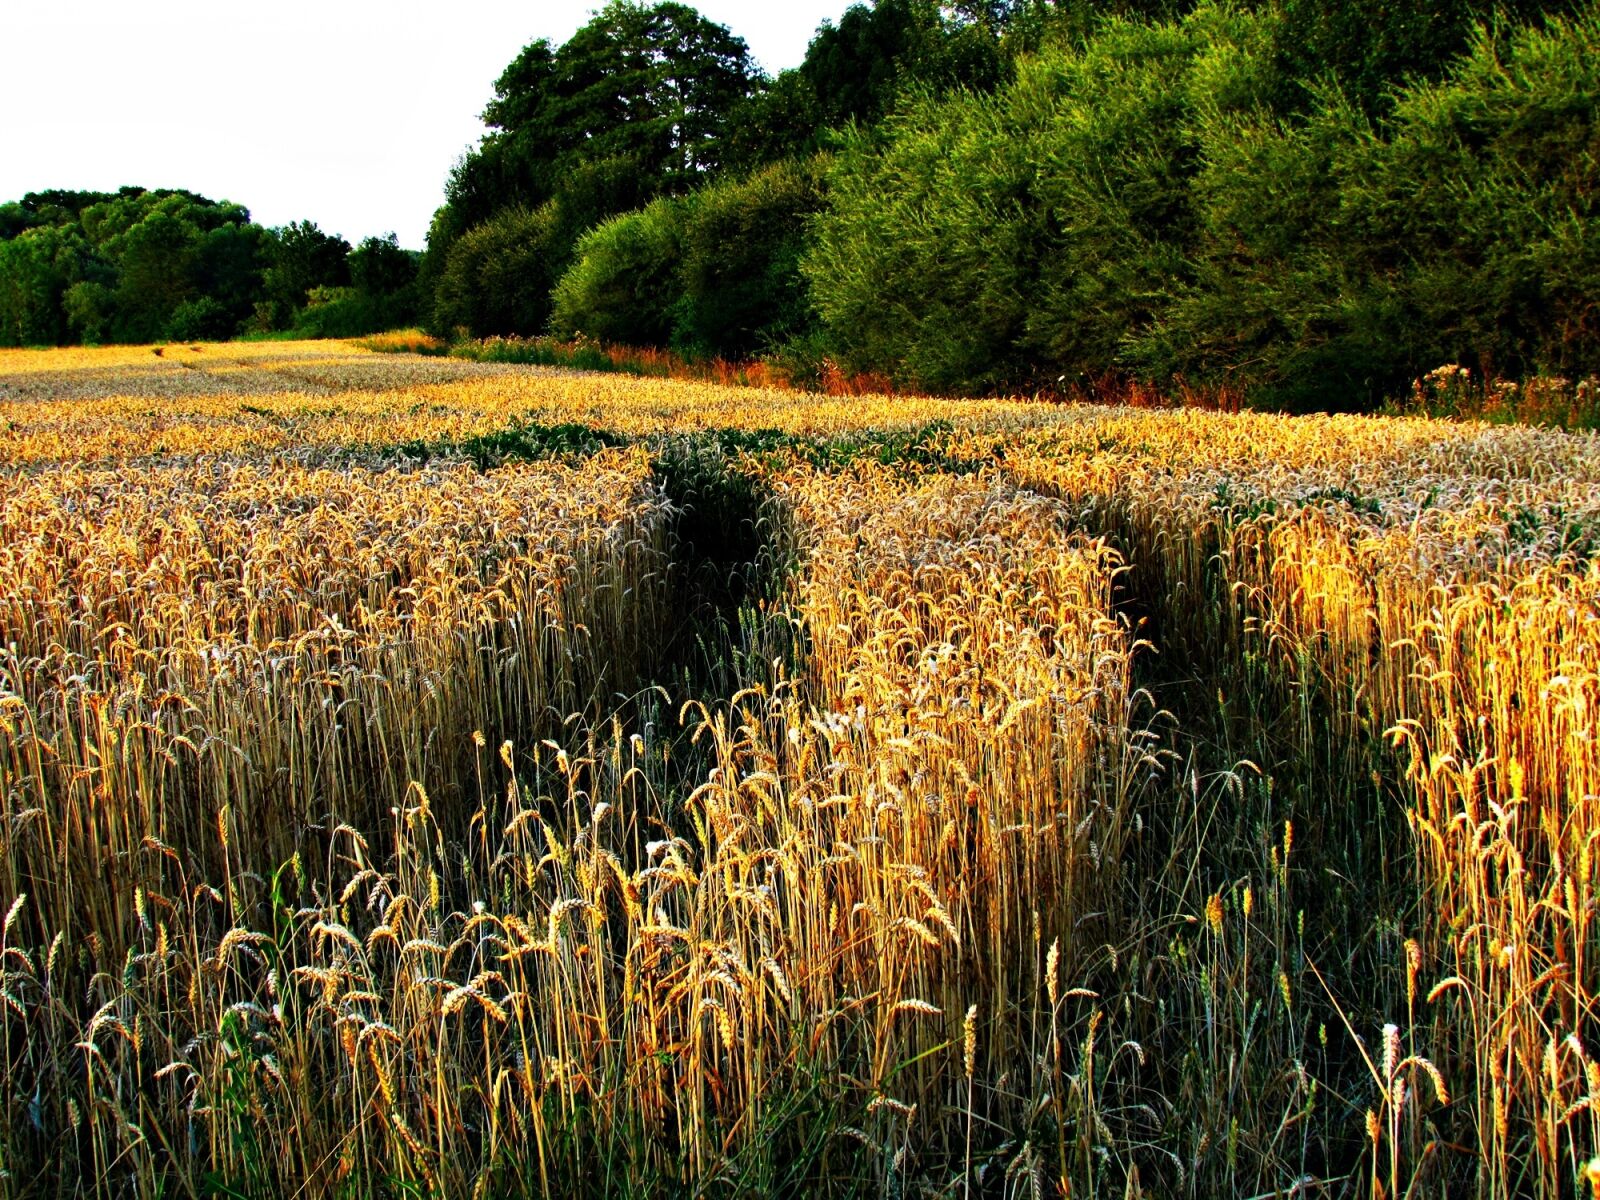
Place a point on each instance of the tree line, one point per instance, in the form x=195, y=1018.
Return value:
x=1307, y=204
x=141, y=265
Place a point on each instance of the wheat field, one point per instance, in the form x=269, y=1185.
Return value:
x=422, y=777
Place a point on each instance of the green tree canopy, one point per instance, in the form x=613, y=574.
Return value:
x=635, y=105
x=1371, y=48
x=649, y=85
x=37, y=267
x=302, y=258
x=121, y=264
x=979, y=242
x=859, y=67
x=855, y=72
x=378, y=266
x=143, y=264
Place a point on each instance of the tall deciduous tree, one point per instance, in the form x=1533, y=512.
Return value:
x=651, y=85
x=36, y=268
x=858, y=70
x=302, y=258
x=635, y=105
x=859, y=67
x=378, y=266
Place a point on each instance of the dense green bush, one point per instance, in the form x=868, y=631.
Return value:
x=347, y=312
x=742, y=242
x=1115, y=175
x=203, y=318
x=1145, y=203
x=922, y=264
x=714, y=274
x=1270, y=308
x=982, y=242
x=37, y=267
x=1371, y=48
x=89, y=307
x=1339, y=260
x=498, y=277
x=623, y=285
x=302, y=257
x=1488, y=196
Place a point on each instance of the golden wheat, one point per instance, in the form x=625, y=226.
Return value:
x=336, y=861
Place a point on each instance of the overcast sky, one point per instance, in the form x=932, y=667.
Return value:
x=345, y=112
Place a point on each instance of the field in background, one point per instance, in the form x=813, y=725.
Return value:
x=429, y=777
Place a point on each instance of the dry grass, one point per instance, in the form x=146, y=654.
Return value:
x=260, y=644
x=110, y=404
x=336, y=861
x=1432, y=588
x=404, y=341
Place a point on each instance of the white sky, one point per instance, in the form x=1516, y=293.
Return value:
x=348, y=113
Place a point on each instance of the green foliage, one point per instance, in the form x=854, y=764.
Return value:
x=1370, y=48
x=918, y=268
x=158, y=260
x=740, y=272
x=140, y=265
x=98, y=265
x=633, y=106
x=229, y=267
x=624, y=283
x=36, y=269
x=382, y=295
x=1029, y=26
x=203, y=318
x=715, y=274
x=1116, y=169
x=523, y=441
x=347, y=312
x=651, y=84
x=672, y=101
x=780, y=120
x=859, y=68
x=89, y=307
x=302, y=258
x=983, y=242
x=162, y=250
x=580, y=355
x=1307, y=204
x=1500, y=258
x=379, y=267
x=14, y=218
x=498, y=277
x=857, y=71
x=648, y=85
x=1340, y=260
x=1268, y=310
x=591, y=193
x=1145, y=202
